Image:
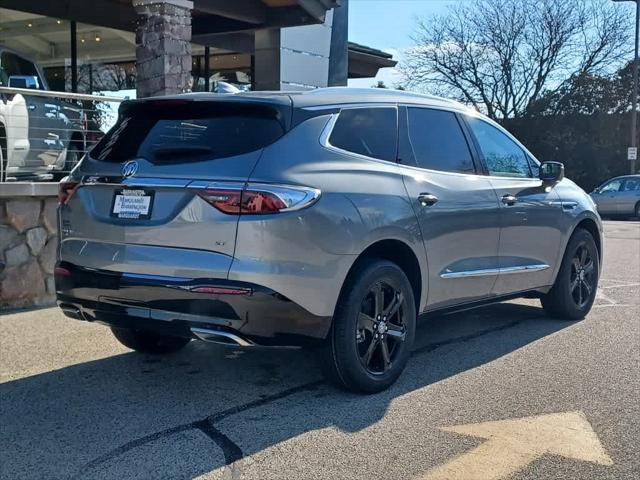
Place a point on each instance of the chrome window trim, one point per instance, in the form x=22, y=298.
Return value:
x=496, y=271
x=328, y=129
x=500, y=177
x=442, y=172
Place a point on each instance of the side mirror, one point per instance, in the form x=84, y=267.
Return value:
x=24, y=81
x=551, y=172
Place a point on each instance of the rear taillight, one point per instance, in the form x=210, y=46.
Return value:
x=260, y=199
x=61, y=272
x=65, y=191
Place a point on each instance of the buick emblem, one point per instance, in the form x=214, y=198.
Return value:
x=129, y=169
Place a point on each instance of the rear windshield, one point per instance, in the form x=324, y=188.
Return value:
x=162, y=132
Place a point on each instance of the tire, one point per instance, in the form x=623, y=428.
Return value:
x=637, y=211
x=573, y=292
x=148, y=342
x=364, y=354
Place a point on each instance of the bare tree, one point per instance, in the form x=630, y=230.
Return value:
x=502, y=55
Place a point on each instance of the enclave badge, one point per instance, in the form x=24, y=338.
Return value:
x=129, y=169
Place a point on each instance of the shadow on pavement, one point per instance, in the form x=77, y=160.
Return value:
x=195, y=411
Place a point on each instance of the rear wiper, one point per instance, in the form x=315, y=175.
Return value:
x=171, y=150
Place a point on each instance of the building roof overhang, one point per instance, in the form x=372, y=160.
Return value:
x=364, y=62
x=210, y=17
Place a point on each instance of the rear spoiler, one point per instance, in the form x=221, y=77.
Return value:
x=281, y=105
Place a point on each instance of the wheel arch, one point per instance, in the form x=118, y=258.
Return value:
x=591, y=226
x=400, y=253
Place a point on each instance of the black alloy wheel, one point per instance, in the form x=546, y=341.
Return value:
x=381, y=328
x=583, y=276
x=373, y=328
x=574, y=290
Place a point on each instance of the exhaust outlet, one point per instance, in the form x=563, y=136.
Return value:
x=72, y=311
x=221, y=337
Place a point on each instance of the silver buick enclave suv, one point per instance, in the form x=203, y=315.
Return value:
x=331, y=217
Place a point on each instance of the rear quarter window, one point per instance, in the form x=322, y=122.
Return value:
x=187, y=133
x=367, y=131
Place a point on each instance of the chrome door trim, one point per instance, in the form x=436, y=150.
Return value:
x=471, y=273
x=495, y=271
x=524, y=268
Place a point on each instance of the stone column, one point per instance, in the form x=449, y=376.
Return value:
x=163, y=48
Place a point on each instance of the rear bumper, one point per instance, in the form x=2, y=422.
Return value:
x=249, y=314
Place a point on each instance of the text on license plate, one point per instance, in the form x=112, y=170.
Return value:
x=132, y=203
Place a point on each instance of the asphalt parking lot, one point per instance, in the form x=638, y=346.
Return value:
x=76, y=404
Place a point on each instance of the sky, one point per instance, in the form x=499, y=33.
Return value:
x=387, y=25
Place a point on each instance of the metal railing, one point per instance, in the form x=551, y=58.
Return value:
x=43, y=134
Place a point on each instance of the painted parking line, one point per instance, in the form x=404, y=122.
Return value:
x=514, y=443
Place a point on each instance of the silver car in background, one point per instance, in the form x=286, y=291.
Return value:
x=329, y=218
x=619, y=196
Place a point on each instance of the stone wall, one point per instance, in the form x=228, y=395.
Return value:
x=28, y=243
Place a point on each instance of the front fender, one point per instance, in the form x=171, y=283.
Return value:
x=577, y=207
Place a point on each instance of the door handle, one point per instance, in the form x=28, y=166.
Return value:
x=427, y=199
x=509, y=199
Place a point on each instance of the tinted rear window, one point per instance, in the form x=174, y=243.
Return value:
x=367, y=131
x=438, y=142
x=180, y=133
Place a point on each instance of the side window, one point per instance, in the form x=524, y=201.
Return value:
x=503, y=156
x=367, y=131
x=631, y=185
x=438, y=142
x=612, y=186
x=535, y=167
x=8, y=67
x=11, y=64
